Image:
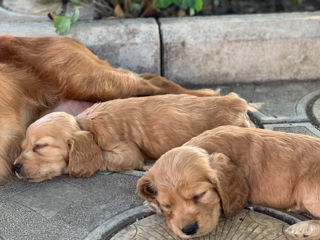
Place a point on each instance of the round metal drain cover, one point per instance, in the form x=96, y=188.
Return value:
x=246, y=225
x=316, y=109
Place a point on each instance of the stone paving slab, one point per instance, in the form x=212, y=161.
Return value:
x=301, y=128
x=277, y=102
x=63, y=208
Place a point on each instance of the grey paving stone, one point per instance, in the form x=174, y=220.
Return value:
x=48, y=198
x=64, y=208
x=241, y=48
x=12, y=188
x=277, y=101
x=130, y=43
x=301, y=128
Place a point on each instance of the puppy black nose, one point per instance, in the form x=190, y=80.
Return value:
x=190, y=229
x=17, y=167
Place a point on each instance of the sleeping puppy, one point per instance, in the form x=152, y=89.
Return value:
x=119, y=135
x=224, y=168
x=38, y=74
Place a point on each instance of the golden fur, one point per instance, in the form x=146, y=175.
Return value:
x=38, y=73
x=229, y=166
x=120, y=134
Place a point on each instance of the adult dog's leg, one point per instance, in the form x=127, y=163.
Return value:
x=9, y=150
x=174, y=88
x=72, y=70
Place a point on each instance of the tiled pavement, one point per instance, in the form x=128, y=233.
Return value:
x=66, y=208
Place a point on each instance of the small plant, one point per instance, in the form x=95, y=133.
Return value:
x=63, y=23
x=192, y=5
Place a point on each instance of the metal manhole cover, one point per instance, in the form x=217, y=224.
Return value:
x=313, y=109
x=246, y=225
x=316, y=109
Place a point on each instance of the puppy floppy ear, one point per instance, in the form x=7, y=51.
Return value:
x=85, y=157
x=147, y=191
x=230, y=183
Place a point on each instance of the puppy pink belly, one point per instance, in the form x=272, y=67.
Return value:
x=72, y=107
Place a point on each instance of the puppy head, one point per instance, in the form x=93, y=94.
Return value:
x=190, y=187
x=55, y=145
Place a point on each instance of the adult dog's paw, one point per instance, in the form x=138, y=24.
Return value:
x=309, y=230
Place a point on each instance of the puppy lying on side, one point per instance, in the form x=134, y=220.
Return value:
x=38, y=74
x=228, y=166
x=119, y=135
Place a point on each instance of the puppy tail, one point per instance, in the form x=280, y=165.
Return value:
x=239, y=107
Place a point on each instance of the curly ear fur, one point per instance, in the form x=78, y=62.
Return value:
x=230, y=182
x=147, y=191
x=85, y=157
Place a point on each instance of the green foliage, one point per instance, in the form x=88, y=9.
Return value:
x=297, y=2
x=192, y=5
x=63, y=23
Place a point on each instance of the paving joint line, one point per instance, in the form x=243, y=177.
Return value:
x=161, y=55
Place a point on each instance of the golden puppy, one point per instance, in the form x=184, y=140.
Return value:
x=228, y=166
x=38, y=73
x=119, y=135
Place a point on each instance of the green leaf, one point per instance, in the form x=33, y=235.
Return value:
x=75, y=1
x=62, y=24
x=177, y=2
x=187, y=4
x=191, y=12
x=164, y=3
x=198, y=4
x=75, y=15
x=135, y=7
x=297, y=2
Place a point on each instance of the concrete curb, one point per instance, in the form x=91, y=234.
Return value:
x=130, y=43
x=241, y=48
x=197, y=50
x=9, y=16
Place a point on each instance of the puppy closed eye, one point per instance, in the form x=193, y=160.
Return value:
x=196, y=198
x=38, y=146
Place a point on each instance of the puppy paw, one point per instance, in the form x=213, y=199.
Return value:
x=308, y=230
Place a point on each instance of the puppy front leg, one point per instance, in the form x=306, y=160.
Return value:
x=123, y=156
